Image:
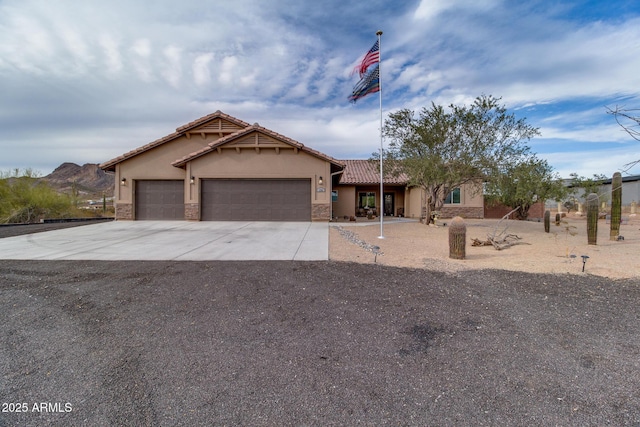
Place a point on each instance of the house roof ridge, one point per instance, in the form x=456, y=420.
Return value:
x=251, y=128
x=181, y=130
x=217, y=114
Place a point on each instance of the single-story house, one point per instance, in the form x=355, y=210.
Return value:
x=221, y=168
x=358, y=192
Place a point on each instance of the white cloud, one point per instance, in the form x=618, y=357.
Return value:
x=141, y=50
x=589, y=162
x=228, y=69
x=431, y=9
x=201, y=71
x=26, y=42
x=113, y=58
x=76, y=47
x=173, y=68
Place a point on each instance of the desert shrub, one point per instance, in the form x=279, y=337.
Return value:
x=24, y=199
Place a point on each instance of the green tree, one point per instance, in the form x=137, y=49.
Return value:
x=523, y=183
x=441, y=150
x=581, y=187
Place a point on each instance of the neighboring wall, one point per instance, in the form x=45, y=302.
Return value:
x=630, y=192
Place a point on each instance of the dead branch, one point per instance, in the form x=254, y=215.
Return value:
x=500, y=240
x=499, y=243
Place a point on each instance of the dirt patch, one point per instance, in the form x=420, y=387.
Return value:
x=415, y=245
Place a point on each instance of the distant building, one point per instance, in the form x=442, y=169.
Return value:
x=630, y=189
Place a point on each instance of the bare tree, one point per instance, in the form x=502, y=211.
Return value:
x=629, y=120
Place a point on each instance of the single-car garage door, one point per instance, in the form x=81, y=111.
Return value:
x=256, y=200
x=159, y=200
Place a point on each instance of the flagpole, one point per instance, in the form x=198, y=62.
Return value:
x=381, y=236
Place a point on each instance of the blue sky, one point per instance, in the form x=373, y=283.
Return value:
x=87, y=81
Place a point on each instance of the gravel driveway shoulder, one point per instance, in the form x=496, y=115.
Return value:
x=314, y=343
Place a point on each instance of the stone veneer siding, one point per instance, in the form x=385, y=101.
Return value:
x=320, y=212
x=192, y=211
x=464, y=212
x=124, y=211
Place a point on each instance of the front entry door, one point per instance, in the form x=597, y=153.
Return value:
x=389, y=202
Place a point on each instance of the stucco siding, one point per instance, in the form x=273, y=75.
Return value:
x=345, y=206
x=154, y=164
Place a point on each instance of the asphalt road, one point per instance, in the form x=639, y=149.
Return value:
x=313, y=343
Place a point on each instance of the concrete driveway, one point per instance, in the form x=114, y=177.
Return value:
x=175, y=240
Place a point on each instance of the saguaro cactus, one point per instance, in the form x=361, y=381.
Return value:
x=616, y=206
x=592, y=219
x=558, y=217
x=457, y=238
x=547, y=221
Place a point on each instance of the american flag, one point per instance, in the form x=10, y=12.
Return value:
x=368, y=84
x=371, y=57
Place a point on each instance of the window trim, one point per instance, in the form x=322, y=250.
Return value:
x=451, y=198
x=367, y=195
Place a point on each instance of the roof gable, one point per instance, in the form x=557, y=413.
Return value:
x=254, y=137
x=218, y=123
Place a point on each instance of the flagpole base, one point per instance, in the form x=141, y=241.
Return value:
x=380, y=237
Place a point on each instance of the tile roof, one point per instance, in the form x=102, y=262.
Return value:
x=253, y=128
x=111, y=164
x=217, y=115
x=367, y=172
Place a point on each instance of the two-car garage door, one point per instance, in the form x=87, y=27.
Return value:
x=255, y=200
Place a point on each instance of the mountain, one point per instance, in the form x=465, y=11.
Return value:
x=87, y=179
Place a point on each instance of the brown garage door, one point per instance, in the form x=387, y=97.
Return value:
x=256, y=200
x=159, y=200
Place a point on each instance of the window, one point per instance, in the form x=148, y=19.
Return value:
x=367, y=200
x=453, y=197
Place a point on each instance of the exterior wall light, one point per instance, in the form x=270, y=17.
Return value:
x=320, y=181
x=193, y=180
x=123, y=181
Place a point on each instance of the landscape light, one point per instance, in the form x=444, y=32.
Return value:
x=584, y=261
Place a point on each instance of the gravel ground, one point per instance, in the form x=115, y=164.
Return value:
x=314, y=343
x=10, y=230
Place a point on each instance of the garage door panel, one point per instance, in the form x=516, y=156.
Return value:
x=256, y=200
x=159, y=200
